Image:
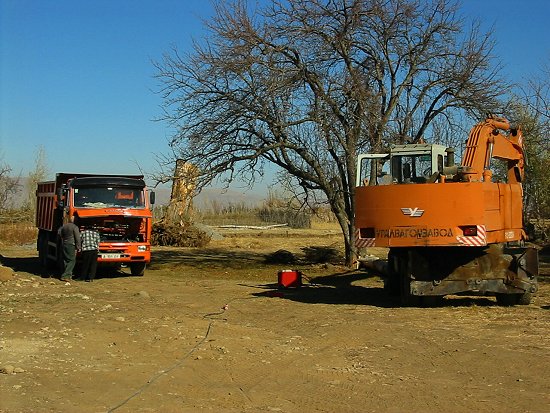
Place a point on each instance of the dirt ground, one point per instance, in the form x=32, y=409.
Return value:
x=208, y=330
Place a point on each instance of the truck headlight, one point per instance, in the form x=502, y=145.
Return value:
x=142, y=248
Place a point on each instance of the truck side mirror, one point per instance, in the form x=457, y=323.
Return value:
x=152, y=197
x=60, y=201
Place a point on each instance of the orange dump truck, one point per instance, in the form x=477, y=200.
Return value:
x=118, y=206
x=450, y=229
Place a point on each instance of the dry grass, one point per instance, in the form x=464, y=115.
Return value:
x=271, y=212
x=18, y=233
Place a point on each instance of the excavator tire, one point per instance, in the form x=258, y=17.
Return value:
x=508, y=300
x=392, y=281
x=525, y=298
x=406, y=297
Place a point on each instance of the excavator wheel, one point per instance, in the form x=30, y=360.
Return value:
x=508, y=300
x=525, y=298
x=392, y=281
x=406, y=297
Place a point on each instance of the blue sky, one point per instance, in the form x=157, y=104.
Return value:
x=76, y=75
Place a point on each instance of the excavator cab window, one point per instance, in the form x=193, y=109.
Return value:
x=374, y=170
x=440, y=163
x=412, y=168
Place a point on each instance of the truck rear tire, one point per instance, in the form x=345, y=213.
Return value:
x=43, y=249
x=138, y=268
x=59, y=262
x=42, y=245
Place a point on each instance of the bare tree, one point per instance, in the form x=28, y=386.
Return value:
x=308, y=84
x=38, y=174
x=537, y=95
x=532, y=112
x=9, y=185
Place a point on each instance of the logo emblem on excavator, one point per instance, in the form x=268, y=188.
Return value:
x=413, y=212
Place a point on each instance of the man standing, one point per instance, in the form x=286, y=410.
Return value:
x=70, y=237
x=90, y=247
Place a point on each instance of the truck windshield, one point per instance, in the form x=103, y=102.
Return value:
x=102, y=197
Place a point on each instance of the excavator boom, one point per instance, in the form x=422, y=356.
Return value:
x=488, y=140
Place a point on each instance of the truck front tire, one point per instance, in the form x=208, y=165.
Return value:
x=138, y=268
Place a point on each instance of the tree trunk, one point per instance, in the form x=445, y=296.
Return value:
x=349, y=238
x=183, y=191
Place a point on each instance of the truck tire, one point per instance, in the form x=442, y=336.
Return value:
x=42, y=246
x=138, y=268
x=59, y=262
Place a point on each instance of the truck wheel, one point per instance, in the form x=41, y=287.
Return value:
x=43, y=250
x=137, y=268
x=60, y=263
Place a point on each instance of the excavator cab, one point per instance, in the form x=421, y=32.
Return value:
x=404, y=164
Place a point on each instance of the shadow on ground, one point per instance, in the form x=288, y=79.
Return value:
x=340, y=288
x=205, y=258
x=31, y=265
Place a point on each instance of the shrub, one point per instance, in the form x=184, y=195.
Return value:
x=185, y=235
x=320, y=255
x=292, y=217
x=280, y=257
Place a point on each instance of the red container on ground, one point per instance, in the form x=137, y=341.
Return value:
x=290, y=278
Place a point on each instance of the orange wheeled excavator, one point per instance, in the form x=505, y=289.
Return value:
x=450, y=229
